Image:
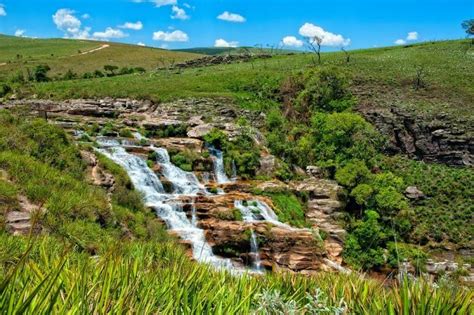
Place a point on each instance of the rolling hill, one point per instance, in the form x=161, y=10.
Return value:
x=79, y=56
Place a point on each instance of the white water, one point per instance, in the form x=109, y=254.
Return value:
x=219, y=170
x=258, y=211
x=146, y=181
x=184, y=183
x=234, y=172
x=257, y=265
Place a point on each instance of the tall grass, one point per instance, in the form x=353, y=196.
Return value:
x=143, y=278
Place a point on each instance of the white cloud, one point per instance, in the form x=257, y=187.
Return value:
x=161, y=3
x=179, y=13
x=2, y=10
x=292, y=41
x=109, y=33
x=141, y=44
x=20, y=33
x=86, y=16
x=67, y=22
x=231, y=17
x=223, y=43
x=175, y=36
x=400, y=42
x=412, y=36
x=132, y=26
x=328, y=39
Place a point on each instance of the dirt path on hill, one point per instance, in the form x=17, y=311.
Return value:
x=95, y=49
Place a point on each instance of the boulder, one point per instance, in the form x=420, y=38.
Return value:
x=412, y=192
x=200, y=131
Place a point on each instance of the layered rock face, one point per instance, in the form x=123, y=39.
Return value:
x=433, y=140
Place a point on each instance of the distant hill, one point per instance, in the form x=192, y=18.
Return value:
x=212, y=51
x=80, y=56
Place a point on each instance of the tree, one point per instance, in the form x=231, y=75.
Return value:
x=314, y=44
x=111, y=69
x=468, y=26
x=348, y=55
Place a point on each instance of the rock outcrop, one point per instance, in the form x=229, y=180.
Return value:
x=432, y=139
x=219, y=60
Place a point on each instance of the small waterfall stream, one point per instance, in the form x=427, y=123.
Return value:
x=166, y=206
x=219, y=170
x=255, y=253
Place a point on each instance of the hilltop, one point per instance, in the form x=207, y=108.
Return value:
x=79, y=56
x=212, y=51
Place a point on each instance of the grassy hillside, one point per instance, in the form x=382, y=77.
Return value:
x=380, y=77
x=63, y=54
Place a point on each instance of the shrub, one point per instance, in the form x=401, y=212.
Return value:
x=40, y=73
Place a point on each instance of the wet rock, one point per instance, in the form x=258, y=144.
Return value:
x=315, y=171
x=180, y=144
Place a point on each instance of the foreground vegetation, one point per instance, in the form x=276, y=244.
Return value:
x=47, y=277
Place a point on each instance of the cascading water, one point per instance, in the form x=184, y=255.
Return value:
x=166, y=206
x=256, y=210
x=234, y=172
x=184, y=183
x=255, y=253
x=219, y=170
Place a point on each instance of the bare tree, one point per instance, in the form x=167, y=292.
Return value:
x=314, y=44
x=348, y=55
x=419, y=81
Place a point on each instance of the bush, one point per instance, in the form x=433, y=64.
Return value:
x=40, y=73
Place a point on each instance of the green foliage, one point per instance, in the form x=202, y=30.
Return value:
x=216, y=138
x=69, y=75
x=289, y=208
x=4, y=89
x=353, y=173
x=443, y=215
x=341, y=137
x=158, y=277
x=362, y=194
x=364, y=245
x=168, y=131
x=40, y=73
x=324, y=90
x=398, y=252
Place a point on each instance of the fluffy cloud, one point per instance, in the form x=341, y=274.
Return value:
x=2, y=10
x=292, y=41
x=223, y=43
x=67, y=22
x=328, y=39
x=231, y=17
x=132, y=26
x=109, y=33
x=20, y=33
x=175, y=36
x=141, y=44
x=179, y=13
x=161, y=3
x=400, y=42
x=412, y=36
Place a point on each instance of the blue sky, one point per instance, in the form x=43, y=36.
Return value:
x=195, y=23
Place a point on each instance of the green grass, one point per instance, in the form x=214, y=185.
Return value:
x=64, y=54
x=444, y=215
x=139, y=278
x=387, y=73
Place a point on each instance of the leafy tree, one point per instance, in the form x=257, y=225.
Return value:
x=468, y=26
x=98, y=74
x=364, y=245
x=353, y=173
x=362, y=194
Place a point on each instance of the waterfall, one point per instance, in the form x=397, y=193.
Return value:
x=219, y=170
x=254, y=250
x=184, y=183
x=234, y=172
x=193, y=214
x=146, y=181
x=256, y=210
